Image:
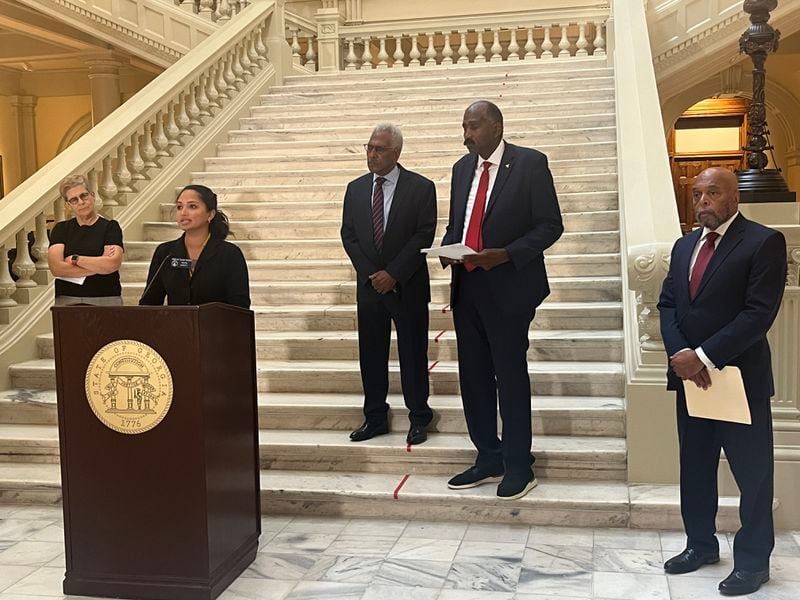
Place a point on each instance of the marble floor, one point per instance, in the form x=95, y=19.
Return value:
x=343, y=559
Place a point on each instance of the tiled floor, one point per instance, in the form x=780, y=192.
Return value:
x=343, y=559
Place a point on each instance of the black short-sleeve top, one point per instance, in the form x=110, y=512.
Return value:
x=88, y=240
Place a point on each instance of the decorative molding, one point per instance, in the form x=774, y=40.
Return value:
x=793, y=272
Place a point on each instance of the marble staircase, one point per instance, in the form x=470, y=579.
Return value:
x=281, y=178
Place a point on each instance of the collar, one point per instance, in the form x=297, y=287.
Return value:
x=496, y=157
x=392, y=176
x=721, y=229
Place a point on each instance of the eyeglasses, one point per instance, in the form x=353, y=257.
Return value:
x=82, y=197
x=376, y=149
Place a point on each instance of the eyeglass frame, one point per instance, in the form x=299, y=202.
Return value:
x=82, y=197
x=377, y=149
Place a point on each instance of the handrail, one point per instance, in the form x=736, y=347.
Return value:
x=648, y=214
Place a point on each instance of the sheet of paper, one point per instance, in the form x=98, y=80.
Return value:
x=725, y=400
x=76, y=280
x=453, y=251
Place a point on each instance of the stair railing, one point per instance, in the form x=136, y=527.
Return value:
x=217, y=11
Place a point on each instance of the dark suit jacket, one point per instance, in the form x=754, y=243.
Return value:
x=522, y=216
x=410, y=227
x=220, y=275
x=737, y=301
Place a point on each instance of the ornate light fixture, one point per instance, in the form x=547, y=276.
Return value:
x=757, y=183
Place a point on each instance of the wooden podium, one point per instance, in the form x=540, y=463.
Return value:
x=172, y=512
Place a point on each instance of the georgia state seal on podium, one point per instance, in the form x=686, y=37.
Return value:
x=129, y=386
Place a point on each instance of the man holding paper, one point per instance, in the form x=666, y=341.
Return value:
x=389, y=216
x=503, y=206
x=719, y=299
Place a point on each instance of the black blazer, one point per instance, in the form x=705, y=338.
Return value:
x=410, y=227
x=220, y=275
x=522, y=216
x=737, y=301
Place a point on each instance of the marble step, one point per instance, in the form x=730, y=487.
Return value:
x=427, y=89
x=425, y=497
x=452, y=79
x=412, y=129
x=348, y=169
x=557, y=457
x=137, y=262
x=299, y=144
x=460, y=98
x=551, y=415
x=265, y=151
x=550, y=315
x=594, y=242
x=562, y=289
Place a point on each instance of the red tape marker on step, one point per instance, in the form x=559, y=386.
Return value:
x=408, y=448
x=445, y=308
x=440, y=334
x=436, y=362
x=400, y=485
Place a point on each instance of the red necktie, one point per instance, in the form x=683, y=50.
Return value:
x=474, y=237
x=700, y=264
x=377, y=212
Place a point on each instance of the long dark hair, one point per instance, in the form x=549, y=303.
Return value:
x=219, y=226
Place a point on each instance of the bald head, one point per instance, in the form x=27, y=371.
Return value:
x=715, y=195
x=483, y=127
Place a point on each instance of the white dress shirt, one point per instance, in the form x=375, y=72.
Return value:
x=496, y=158
x=721, y=231
x=389, y=186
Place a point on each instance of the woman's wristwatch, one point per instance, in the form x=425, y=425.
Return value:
x=74, y=259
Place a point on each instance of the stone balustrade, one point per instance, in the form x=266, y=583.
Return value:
x=126, y=154
x=217, y=11
x=301, y=34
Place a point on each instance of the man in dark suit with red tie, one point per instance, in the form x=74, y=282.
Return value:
x=719, y=299
x=503, y=205
x=389, y=216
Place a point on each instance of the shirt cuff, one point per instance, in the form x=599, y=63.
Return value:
x=704, y=359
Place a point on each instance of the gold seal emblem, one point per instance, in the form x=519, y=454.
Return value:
x=129, y=386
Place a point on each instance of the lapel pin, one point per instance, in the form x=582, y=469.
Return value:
x=508, y=165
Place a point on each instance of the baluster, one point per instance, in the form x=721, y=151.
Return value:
x=230, y=77
x=599, y=43
x=295, y=48
x=463, y=50
x=182, y=119
x=530, y=46
x=236, y=67
x=207, y=6
x=223, y=11
x=136, y=162
x=149, y=151
x=366, y=56
x=203, y=102
x=171, y=128
x=220, y=84
x=261, y=48
x=563, y=45
x=40, y=244
x=7, y=285
x=383, y=56
x=398, y=51
x=122, y=176
x=58, y=209
x=547, y=45
x=94, y=186
x=236, y=8
x=244, y=60
x=496, y=51
x=513, y=46
x=311, y=56
x=414, y=54
x=23, y=266
x=582, y=42
x=430, y=53
x=447, y=51
x=160, y=139
x=252, y=53
x=351, y=60
x=108, y=189
x=480, y=49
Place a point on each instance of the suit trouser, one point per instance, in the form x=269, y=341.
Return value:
x=749, y=451
x=492, y=365
x=374, y=337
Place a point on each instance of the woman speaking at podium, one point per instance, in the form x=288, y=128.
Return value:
x=200, y=266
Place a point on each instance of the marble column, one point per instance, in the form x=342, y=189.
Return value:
x=280, y=52
x=328, y=45
x=25, y=112
x=104, y=70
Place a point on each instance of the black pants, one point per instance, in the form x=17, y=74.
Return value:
x=374, y=336
x=749, y=451
x=492, y=364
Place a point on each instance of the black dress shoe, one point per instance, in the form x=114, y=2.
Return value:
x=369, y=430
x=741, y=582
x=515, y=486
x=474, y=476
x=689, y=560
x=416, y=435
